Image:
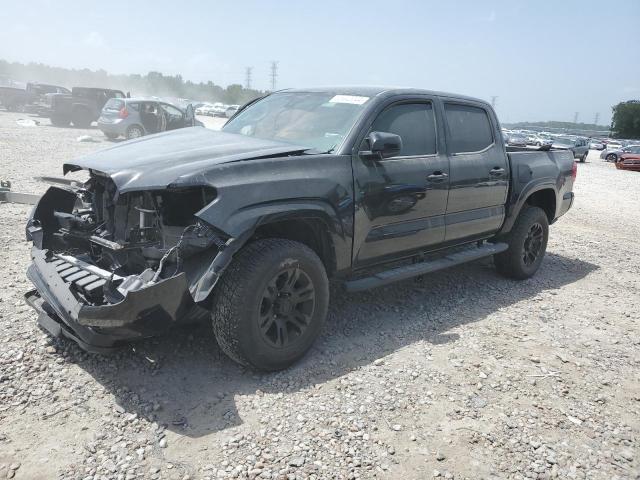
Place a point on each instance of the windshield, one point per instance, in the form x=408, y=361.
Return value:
x=318, y=121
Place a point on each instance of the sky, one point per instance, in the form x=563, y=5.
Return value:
x=543, y=60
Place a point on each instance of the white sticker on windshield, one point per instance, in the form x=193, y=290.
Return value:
x=353, y=99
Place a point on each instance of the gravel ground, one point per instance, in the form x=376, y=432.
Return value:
x=466, y=375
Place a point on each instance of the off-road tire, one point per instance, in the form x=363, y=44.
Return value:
x=511, y=263
x=81, y=118
x=131, y=132
x=238, y=299
x=60, y=120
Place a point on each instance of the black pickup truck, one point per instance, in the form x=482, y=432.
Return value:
x=246, y=226
x=81, y=107
x=32, y=97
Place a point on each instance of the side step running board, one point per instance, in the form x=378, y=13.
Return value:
x=402, y=273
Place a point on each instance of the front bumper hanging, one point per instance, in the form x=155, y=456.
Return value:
x=142, y=313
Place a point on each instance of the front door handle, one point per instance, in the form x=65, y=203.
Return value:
x=437, y=177
x=497, y=172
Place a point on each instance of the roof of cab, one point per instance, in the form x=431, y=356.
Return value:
x=374, y=91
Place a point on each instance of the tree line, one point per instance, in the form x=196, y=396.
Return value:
x=625, y=122
x=151, y=84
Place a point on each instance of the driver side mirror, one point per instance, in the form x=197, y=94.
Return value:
x=382, y=145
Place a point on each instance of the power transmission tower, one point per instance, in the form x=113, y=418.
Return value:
x=597, y=117
x=493, y=101
x=575, y=117
x=274, y=75
x=247, y=81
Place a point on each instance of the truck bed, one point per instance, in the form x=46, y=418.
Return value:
x=533, y=170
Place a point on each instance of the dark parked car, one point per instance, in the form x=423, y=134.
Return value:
x=33, y=95
x=81, y=108
x=578, y=146
x=363, y=185
x=136, y=117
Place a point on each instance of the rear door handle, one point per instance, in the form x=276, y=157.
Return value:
x=497, y=171
x=437, y=177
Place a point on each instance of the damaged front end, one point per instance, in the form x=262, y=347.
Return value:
x=109, y=267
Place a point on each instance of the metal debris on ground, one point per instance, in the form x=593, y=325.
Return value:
x=27, y=122
x=6, y=195
x=86, y=138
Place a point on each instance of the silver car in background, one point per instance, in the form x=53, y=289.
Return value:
x=231, y=110
x=612, y=155
x=136, y=117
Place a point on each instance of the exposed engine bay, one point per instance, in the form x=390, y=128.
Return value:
x=129, y=241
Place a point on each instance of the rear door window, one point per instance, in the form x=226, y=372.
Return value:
x=114, y=104
x=414, y=123
x=469, y=128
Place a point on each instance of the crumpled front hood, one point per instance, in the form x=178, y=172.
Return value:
x=175, y=157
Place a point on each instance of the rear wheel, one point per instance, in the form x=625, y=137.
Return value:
x=270, y=304
x=583, y=158
x=81, y=118
x=111, y=136
x=527, y=245
x=611, y=157
x=59, y=120
x=134, y=131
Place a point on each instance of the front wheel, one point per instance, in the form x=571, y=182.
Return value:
x=527, y=245
x=270, y=304
x=611, y=157
x=583, y=158
x=111, y=136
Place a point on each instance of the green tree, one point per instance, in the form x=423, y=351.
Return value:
x=625, y=122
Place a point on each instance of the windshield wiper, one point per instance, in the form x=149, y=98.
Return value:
x=311, y=151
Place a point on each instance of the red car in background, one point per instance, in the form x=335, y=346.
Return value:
x=629, y=161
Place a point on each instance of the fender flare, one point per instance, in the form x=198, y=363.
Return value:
x=522, y=197
x=243, y=223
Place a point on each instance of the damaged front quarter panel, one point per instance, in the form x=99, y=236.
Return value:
x=141, y=245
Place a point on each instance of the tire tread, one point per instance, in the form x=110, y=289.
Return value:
x=230, y=292
x=507, y=262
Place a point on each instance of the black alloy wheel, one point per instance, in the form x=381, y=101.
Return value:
x=287, y=307
x=532, y=244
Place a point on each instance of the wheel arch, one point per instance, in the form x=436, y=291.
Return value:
x=545, y=199
x=541, y=195
x=312, y=223
x=310, y=228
